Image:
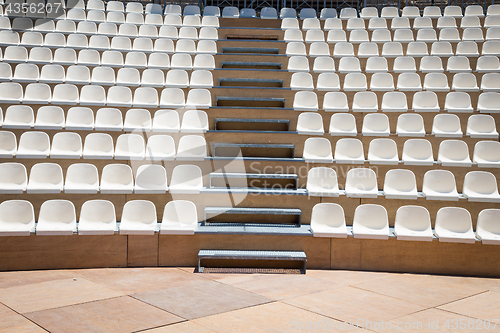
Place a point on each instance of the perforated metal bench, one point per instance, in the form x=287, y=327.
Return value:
x=252, y=255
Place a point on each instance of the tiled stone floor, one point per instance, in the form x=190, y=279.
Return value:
x=160, y=300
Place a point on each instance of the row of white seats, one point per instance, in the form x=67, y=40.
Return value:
x=98, y=16
x=396, y=23
x=97, y=217
x=68, y=145
x=395, y=101
x=451, y=152
x=384, y=35
x=101, y=42
x=478, y=186
x=68, y=94
x=130, y=77
x=391, y=12
x=84, y=178
x=383, y=81
x=90, y=28
x=413, y=223
x=67, y=56
x=408, y=124
x=79, y=118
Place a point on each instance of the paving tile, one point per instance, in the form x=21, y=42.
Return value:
x=341, y=277
x=354, y=305
x=185, y=326
x=138, y=280
x=424, y=290
x=484, y=306
x=272, y=317
x=200, y=298
x=435, y=320
x=10, y=321
x=283, y=286
x=53, y=294
x=121, y=314
x=19, y=278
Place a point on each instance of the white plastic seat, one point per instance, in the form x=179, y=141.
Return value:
x=413, y=223
x=301, y=81
x=8, y=144
x=119, y=96
x=383, y=151
x=322, y=182
x=355, y=82
x=327, y=82
x=487, y=154
x=135, y=59
x=320, y=65
x=358, y=36
x=491, y=47
x=315, y=35
x=112, y=59
x=310, y=23
x=319, y=49
x=489, y=83
x=376, y=64
x=487, y=64
x=458, y=64
x=117, y=179
x=11, y=92
x=305, y=101
x=37, y=93
x=439, y=185
x=317, y=150
x=394, y=101
x=194, y=121
x=232, y=12
x=17, y=218
x=289, y=23
x=130, y=147
x=431, y=64
x=172, y=98
x=474, y=10
x=115, y=6
x=108, y=119
x=381, y=36
x=185, y=46
x=442, y=49
x=13, y=178
x=5, y=72
x=80, y=119
x=417, y=152
x=454, y=225
x=177, y=78
x=138, y=218
x=158, y=60
x=404, y=64
x=208, y=33
x=400, y=184
x=335, y=35
x=206, y=46
x=293, y=35
x=52, y=74
x=18, y=116
x=153, y=77
x=191, y=148
x=328, y=220
x=454, y=153
x=482, y=126
x=370, y=222
x=426, y=35
x=473, y=34
x=57, y=217
x=367, y=50
x=137, y=119
x=160, y=148
x=376, y=124
x=342, y=124
x=145, y=97
x=410, y=12
x=181, y=61
x=403, y=36
x=487, y=226
x=66, y=145
x=467, y=48
x=343, y=49
x=458, y=102
x=78, y=74
x=349, y=151
x=295, y=49
x=26, y=73
x=417, y=49
x=365, y=101
x=175, y=223
x=411, y=124
x=166, y=121
x=150, y=179
x=97, y=217
x=172, y=20
x=355, y=23
x=33, y=145
x=310, y=123
x=45, y=178
x=436, y=82
x=186, y=179
x=480, y=186
x=382, y=82
x=129, y=77
x=98, y=146
x=425, y=101
x=335, y=102
x=349, y=65
x=199, y=98
x=265, y=13
x=164, y=45
x=90, y=58
x=81, y=178
x=400, y=23
x=65, y=94
x=446, y=125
